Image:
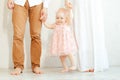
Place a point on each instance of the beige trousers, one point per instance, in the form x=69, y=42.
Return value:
x=19, y=18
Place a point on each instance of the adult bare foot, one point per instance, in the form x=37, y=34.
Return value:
x=91, y=70
x=37, y=70
x=86, y=71
x=16, y=71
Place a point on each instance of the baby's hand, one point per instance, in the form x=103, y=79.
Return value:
x=68, y=5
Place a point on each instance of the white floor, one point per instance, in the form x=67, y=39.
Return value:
x=53, y=74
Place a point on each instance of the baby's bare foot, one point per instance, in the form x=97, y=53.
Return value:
x=72, y=68
x=37, y=70
x=16, y=71
x=64, y=70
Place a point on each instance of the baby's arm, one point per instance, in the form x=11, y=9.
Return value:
x=49, y=26
x=68, y=6
x=70, y=16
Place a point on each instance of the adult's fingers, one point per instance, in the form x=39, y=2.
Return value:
x=10, y=5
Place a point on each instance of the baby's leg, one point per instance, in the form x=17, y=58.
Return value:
x=62, y=58
x=71, y=57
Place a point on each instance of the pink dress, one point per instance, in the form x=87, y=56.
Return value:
x=63, y=41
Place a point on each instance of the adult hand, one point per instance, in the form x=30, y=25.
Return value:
x=68, y=4
x=43, y=14
x=10, y=4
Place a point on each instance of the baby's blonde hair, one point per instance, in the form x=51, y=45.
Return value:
x=67, y=14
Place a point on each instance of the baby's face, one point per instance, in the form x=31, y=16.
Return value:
x=60, y=18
